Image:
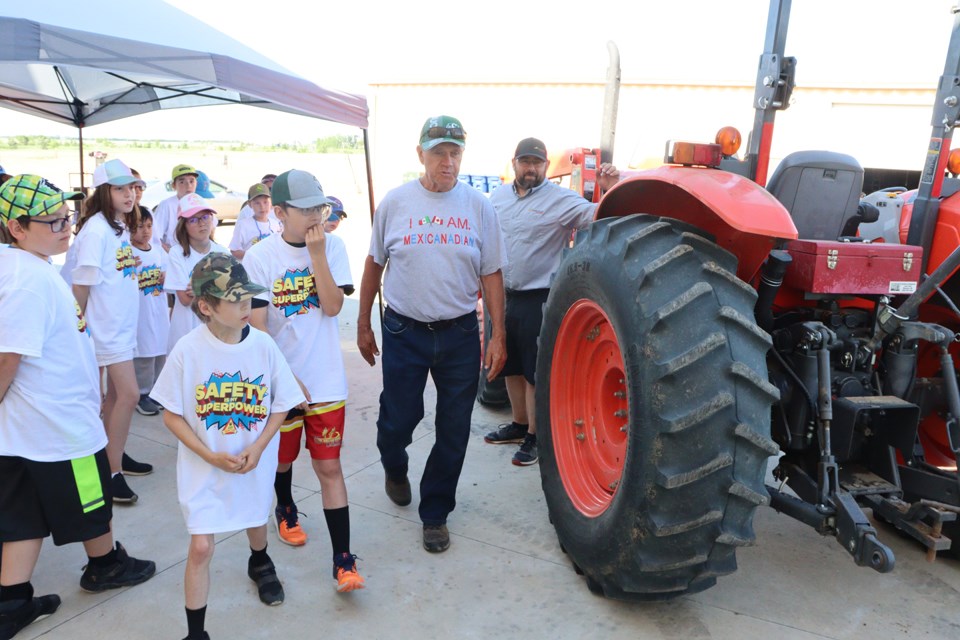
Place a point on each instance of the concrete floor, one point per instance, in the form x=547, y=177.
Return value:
x=503, y=577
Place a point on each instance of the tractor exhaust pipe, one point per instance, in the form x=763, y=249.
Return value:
x=611, y=98
x=771, y=277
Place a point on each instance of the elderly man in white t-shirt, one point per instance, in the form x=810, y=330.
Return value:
x=184, y=179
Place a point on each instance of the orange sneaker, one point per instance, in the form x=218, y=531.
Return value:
x=345, y=573
x=288, y=526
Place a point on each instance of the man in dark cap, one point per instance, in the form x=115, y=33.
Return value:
x=537, y=218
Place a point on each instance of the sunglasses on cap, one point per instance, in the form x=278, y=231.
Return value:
x=446, y=132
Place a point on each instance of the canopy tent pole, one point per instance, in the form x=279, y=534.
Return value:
x=82, y=186
x=366, y=156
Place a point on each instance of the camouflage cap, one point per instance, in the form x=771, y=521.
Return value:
x=222, y=276
x=29, y=195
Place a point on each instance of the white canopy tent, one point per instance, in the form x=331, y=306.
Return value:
x=89, y=63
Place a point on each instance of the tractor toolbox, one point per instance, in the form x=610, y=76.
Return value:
x=831, y=267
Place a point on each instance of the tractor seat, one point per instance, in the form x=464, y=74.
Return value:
x=821, y=190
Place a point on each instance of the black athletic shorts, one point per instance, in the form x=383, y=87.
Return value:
x=524, y=315
x=69, y=499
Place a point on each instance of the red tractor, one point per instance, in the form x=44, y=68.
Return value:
x=709, y=319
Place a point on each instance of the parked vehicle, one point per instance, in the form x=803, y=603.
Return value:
x=226, y=201
x=709, y=319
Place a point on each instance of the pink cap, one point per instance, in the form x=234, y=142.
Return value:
x=192, y=204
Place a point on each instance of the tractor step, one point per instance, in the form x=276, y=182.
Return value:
x=859, y=482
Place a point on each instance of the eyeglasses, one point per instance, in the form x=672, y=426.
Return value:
x=198, y=219
x=58, y=224
x=311, y=211
x=446, y=132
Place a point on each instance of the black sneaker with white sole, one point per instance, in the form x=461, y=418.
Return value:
x=131, y=467
x=507, y=434
x=527, y=454
x=122, y=493
x=147, y=407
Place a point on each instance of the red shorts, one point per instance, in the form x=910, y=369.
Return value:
x=324, y=428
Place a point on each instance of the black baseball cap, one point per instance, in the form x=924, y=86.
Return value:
x=531, y=147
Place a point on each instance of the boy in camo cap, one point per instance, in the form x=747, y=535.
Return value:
x=226, y=389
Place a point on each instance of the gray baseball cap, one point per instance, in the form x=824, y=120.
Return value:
x=298, y=189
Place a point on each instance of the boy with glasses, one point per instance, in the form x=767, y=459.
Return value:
x=306, y=271
x=54, y=473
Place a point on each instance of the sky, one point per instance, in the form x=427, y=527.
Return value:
x=353, y=45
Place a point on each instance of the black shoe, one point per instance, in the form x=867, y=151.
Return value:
x=133, y=468
x=122, y=493
x=17, y=615
x=125, y=572
x=398, y=490
x=507, y=434
x=205, y=636
x=268, y=584
x=527, y=454
x=436, y=538
x=147, y=407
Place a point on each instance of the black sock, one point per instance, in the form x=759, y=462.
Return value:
x=195, y=620
x=338, y=524
x=283, y=485
x=105, y=560
x=22, y=591
x=525, y=427
x=258, y=558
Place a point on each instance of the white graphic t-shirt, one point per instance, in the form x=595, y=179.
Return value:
x=51, y=411
x=154, y=325
x=165, y=221
x=226, y=392
x=250, y=231
x=308, y=337
x=106, y=263
x=179, y=268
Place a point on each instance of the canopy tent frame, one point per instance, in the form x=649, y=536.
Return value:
x=95, y=74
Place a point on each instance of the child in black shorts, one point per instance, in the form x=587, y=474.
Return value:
x=54, y=474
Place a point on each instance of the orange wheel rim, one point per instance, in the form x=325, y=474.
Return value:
x=589, y=411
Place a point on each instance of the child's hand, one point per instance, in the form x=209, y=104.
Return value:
x=251, y=458
x=316, y=241
x=227, y=462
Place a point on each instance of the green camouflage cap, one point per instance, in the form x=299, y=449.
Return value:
x=222, y=276
x=29, y=195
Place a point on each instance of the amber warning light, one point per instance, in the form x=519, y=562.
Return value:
x=953, y=162
x=693, y=153
x=729, y=140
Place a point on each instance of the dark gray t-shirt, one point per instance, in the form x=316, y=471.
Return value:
x=435, y=247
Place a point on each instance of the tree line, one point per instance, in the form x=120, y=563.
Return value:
x=328, y=144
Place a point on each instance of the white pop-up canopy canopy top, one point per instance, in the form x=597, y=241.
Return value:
x=89, y=63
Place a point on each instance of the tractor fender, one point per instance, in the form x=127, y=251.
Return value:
x=742, y=216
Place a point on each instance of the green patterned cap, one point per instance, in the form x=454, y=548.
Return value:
x=222, y=276
x=28, y=195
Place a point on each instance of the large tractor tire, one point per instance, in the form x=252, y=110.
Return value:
x=653, y=408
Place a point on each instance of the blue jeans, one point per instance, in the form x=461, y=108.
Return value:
x=451, y=354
